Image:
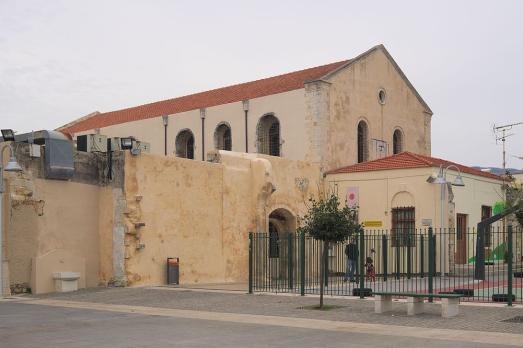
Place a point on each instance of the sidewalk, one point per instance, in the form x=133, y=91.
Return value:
x=476, y=318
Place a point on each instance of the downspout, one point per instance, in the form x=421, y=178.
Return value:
x=202, y=116
x=165, y=124
x=246, y=110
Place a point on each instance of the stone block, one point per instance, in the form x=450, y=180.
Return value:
x=449, y=307
x=415, y=305
x=66, y=281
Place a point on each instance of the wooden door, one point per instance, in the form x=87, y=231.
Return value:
x=461, y=239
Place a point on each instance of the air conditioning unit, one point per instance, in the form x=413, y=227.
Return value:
x=113, y=144
x=91, y=143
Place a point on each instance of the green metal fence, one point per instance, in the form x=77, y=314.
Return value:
x=403, y=261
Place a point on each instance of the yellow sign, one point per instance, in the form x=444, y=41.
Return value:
x=373, y=223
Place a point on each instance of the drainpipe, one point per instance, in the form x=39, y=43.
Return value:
x=246, y=110
x=202, y=116
x=165, y=123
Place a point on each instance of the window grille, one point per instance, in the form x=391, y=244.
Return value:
x=403, y=227
x=397, y=142
x=222, y=138
x=268, y=132
x=363, y=140
x=185, y=144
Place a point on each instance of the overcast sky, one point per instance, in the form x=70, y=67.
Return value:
x=60, y=60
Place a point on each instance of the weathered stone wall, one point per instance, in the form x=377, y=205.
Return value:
x=202, y=212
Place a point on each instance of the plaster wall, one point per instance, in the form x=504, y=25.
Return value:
x=380, y=191
x=53, y=226
x=354, y=97
x=288, y=107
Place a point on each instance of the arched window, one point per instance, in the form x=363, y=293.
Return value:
x=397, y=142
x=363, y=142
x=185, y=144
x=222, y=137
x=268, y=132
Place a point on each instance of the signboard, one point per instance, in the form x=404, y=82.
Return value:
x=426, y=222
x=352, y=199
x=373, y=223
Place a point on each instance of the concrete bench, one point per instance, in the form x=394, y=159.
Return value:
x=415, y=302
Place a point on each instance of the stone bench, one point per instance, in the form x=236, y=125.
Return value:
x=415, y=302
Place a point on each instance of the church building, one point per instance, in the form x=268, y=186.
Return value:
x=333, y=115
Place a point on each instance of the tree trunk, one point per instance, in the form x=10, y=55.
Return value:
x=323, y=268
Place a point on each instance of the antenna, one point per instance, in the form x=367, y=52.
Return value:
x=503, y=129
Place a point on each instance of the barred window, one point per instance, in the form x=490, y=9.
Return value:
x=403, y=227
x=222, y=137
x=268, y=135
x=397, y=142
x=185, y=144
x=363, y=142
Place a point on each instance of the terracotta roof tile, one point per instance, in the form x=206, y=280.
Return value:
x=406, y=160
x=249, y=90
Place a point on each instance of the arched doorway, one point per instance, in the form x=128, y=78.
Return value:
x=281, y=243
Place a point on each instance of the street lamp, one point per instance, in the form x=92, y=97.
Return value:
x=12, y=166
x=441, y=179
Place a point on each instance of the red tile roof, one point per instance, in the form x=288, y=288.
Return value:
x=409, y=160
x=254, y=89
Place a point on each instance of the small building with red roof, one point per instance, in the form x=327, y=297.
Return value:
x=401, y=193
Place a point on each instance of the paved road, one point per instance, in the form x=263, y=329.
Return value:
x=28, y=325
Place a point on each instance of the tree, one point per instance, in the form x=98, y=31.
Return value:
x=328, y=222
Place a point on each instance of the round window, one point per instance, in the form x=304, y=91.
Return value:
x=382, y=96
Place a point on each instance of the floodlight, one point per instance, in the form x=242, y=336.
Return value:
x=8, y=134
x=126, y=143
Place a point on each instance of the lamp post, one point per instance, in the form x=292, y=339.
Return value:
x=441, y=179
x=12, y=166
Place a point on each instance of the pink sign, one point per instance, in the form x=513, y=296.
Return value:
x=352, y=199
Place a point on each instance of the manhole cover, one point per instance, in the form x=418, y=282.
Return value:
x=517, y=319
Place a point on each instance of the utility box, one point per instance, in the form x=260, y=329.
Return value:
x=143, y=146
x=113, y=144
x=66, y=281
x=173, y=271
x=91, y=143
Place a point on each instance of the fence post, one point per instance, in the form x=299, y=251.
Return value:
x=361, y=250
x=250, y=262
x=385, y=256
x=422, y=255
x=326, y=266
x=398, y=260
x=509, y=266
x=431, y=263
x=302, y=264
x=290, y=260
x=409, y=256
